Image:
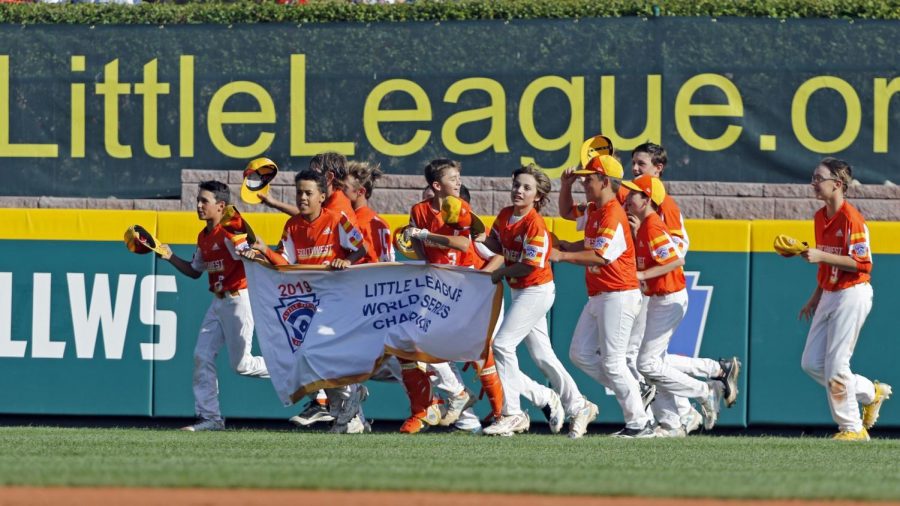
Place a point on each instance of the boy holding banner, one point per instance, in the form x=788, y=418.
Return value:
x=319, y=236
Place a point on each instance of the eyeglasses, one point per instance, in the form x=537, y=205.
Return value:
x=816, y=179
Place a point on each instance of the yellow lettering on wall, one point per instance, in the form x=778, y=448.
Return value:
x=186, y=107
x=111, y=89
x=16, y=150
x=685, y=109
x=218, y=117
x=574, y=134
x=652, y=127
x=299, y=146
x=883, y=93
x=495, y=112
x=150, y=89
x=76, y=121
x=373, y=115
x=851, y=125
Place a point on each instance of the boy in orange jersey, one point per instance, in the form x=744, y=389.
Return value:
x=840, y=304
x=522, y=241
x=444, y=243
x=659, y=269
x=334, y=168
x=228, y=320
x=600, y=341
x=357, y=185
x=318, y=236
x=651, y=159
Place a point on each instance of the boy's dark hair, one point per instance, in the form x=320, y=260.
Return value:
x=436, y=168
x=366, y=174
x=332, y=162
x=312, y=175
x=840, y=169
x=218, y=189
x=657, y=153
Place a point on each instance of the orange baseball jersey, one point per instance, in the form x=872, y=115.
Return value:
x=524, y=240
x=320, y=241
x=215, y=254
x=423, y=215
x=376, y=233
x=844, y=234
x=654, y=246
x=608, y=235
x=339, y=203
x=671, y=216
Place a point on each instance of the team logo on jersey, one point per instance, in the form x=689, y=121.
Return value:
x=296, y=314
x=326, y=231
x=840, y=233
x=215, y=247
x=662, y=252
x=689, y=335
x=861, y=250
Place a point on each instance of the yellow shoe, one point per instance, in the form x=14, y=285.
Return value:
x=870, y=411
x=849, y=435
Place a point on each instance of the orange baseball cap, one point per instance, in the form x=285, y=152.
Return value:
x=604, y=165
x=648, y=185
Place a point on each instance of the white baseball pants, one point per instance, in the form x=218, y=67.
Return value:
x=829, y=346
x=228, y=321
x=599, y=345
x=526, y=320
x=664, y=313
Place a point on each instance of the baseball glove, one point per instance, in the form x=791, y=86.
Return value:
x=404, y=245
x=139, y=240
x=787, y=246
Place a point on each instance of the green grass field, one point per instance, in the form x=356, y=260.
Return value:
x=699, y=466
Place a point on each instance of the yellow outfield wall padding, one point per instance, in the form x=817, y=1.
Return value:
x=182, y=227
x=72, y=224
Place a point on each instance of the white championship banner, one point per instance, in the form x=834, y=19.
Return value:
x=319, y=328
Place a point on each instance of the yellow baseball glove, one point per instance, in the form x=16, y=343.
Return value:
x=787, y=246
x=139, y=240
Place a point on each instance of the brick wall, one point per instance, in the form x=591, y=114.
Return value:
x=396, y=194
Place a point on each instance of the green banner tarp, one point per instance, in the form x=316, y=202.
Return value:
x=119, y=110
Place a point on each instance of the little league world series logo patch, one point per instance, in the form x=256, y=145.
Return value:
x=296, y=314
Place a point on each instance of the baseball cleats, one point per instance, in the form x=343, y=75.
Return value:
x=356, y=425
x=648, y=393
x=731, y=367
x=509, y=425
x=202, y=425
x=661, y=431
x=456, y=405
x=416, y=424
x=554, y=412
x=644, y=432
x=692, y=421
x=579, y=424
x=709, y=405
x=883, y=392
x=313, y=413
x=849, y=435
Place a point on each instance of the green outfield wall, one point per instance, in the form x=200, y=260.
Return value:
x=88, y=328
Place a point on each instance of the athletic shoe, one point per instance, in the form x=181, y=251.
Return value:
x=508, y=425
x=350, y=406
x=661, y=431
x=467, y=429
x=456, y=405
x=416, y=424
x=646, y=431
x=554, y=412
x=648, y=393
x=313, y=413
x=883, y=392
x=579, y=424
x=710, y=405
x=356, y=425
x=202, y=425
x=731, y=367
x=849, y=435
x=692, y=421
